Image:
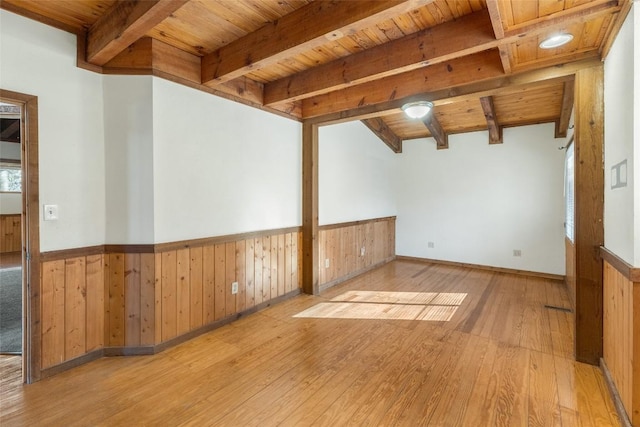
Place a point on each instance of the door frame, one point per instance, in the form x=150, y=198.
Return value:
x=31, y=344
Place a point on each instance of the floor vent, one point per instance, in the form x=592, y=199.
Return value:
x=554, y=307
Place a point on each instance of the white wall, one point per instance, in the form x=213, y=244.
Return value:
x=478, y=202
x=128, y=118
x=619, y=136
x=356, y=174
x=39, y=60
x=221, y=167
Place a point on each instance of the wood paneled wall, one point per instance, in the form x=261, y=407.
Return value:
x=341, y=245
x=126, y=300
x=10, y=233
x=72, y=308
x=621, y=325
x=570, y=269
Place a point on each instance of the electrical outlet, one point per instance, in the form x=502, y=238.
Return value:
x=362, y=251
x=326, y=263
x=517, y=252
x=431, y=245
x=234, y=288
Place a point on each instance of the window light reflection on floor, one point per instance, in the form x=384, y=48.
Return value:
x=431, y=306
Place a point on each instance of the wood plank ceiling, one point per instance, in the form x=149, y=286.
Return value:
x=478, y=61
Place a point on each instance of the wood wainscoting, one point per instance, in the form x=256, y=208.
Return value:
x=570, y=270
x=10, y=233
x=348, y=249
x=139, y=299
x=621, y=360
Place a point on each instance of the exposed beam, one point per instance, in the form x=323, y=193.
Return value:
x=494, y=86
x=435, y=128
x=496, y=18
x=310, y=200
x=123, y=24
x=495, y=130
x=323, y=21
x=498, y=30
x=467, y=35
x=565, y=113
x=589, y=208
x=477, y=67
x=382, y=131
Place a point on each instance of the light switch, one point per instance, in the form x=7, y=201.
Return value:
x=50, y=212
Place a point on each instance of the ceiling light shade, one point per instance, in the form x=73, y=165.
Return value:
x=418, y=109
x=556, y=41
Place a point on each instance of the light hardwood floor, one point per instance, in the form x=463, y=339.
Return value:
x=502, y=359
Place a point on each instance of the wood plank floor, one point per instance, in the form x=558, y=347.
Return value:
x=503, y=359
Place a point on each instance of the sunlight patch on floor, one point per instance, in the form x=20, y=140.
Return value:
x=430, y=306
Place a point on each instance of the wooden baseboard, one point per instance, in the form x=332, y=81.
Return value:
x=73, y=363
x=615, y=396
x=483, y=267
x=335, y=282
x=154, y=349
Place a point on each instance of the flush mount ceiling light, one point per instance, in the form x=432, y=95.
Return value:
x=556, y=41
x=418, y=109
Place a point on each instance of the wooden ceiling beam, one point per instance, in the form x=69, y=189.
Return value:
x=464, y=36
x=498, y=29
x=477, y=67
x=382, y=131
x=467, y=35
x=436, y=131
x=323, y=21
x=562, y=124
x=495, y=86
x=126, y=22
x=495, y=130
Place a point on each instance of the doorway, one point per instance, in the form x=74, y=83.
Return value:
x=10, y=230
x=20, y=267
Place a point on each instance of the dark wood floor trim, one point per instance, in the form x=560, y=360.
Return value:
x=628, y=271
x=73, y=363
x=615, y=396
x=483, y=267
x=354, y=223
x=349, y=276
x=154, y=349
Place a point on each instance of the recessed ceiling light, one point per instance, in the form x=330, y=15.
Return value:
x=418, y=109
x=556, y=41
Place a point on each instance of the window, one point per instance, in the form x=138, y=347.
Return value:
x=569, y=213
x=10, y=178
